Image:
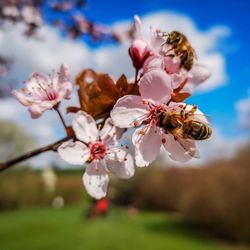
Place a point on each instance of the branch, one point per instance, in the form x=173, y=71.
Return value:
x=50, y=147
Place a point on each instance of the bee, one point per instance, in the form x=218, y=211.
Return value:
x=182, y=48
x=185, y=126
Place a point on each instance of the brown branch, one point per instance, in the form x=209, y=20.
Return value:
x=50, y=147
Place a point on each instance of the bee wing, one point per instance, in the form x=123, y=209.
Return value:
x=187, y=144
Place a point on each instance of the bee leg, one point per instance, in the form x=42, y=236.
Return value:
x=183, y=114
x=193, y=109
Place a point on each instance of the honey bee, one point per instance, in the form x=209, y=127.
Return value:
x=185, y=126
x=181, y=47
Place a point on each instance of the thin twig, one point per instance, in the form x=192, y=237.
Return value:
x=136, y=76
x=50, y=147
x=61, y=118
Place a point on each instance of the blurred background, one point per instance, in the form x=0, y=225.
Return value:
x=203, y=204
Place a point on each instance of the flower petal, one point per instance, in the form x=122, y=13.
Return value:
x=156, y=85
x=96, y=185
x=96, y=167
x=120, y=163
x=127, y=111
x=74, y=152
x=65, y=86
x=172, y=64
x=137, y=25
x=153, y=62
x=85, y=127
x=147, y=141
x=24, y=100
x=65, y=90
x=110, y=134
x=64, y=73
x=37, y=109
x=176, y=150
x=157, y=42
x=198, y=74
x=36, y=80
x=140, y=161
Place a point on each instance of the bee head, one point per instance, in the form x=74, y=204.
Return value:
x=174, y=37
x=160, y=118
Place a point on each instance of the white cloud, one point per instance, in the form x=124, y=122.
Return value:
x=50, y=50
x=243, y=108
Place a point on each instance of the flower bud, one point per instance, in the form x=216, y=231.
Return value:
x=139, y=51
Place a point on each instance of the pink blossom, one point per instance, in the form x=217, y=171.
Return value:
x=43, y=92
x=133, y=111
x=97, y=148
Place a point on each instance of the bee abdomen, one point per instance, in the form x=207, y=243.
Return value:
x=198, y=130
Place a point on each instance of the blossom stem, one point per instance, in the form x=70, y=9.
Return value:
x=61, y=118
x=50, y=147
x=136, y=76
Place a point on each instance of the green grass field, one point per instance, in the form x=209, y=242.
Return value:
x=53, y=229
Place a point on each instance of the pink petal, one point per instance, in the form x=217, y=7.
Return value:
x=65, y=90
x=178, y=78
x=35, y=79
x=176, y=150
x=140, y=161
x=139, y=51
x=96, y=167
x=127, y=111
x=96, y=185
x=156, y=43
x=24, y=100
x=64, y=73
x=153, y=62
x=156, y=85
x=121, y=164
x=110, y=134
x=85, y=127
x=172, y=64
x=147, y=141
x=137, y=24
x=37, y=109
x=74, y=152
x=65, y=86
x=198, y=74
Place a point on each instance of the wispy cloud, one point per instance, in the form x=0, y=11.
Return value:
x=243, y=109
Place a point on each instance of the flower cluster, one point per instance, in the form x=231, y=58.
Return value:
x=166, y=73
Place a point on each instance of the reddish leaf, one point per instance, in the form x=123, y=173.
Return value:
x=72, y=109
x=98, y=93
x=180, y=97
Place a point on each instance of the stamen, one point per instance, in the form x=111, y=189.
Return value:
x=142, y=132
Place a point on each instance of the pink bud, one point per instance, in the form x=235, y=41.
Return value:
x=139, y=51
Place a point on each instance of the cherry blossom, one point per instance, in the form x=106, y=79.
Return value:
x=132, y=111
x=97, y=148
x=44, y=92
